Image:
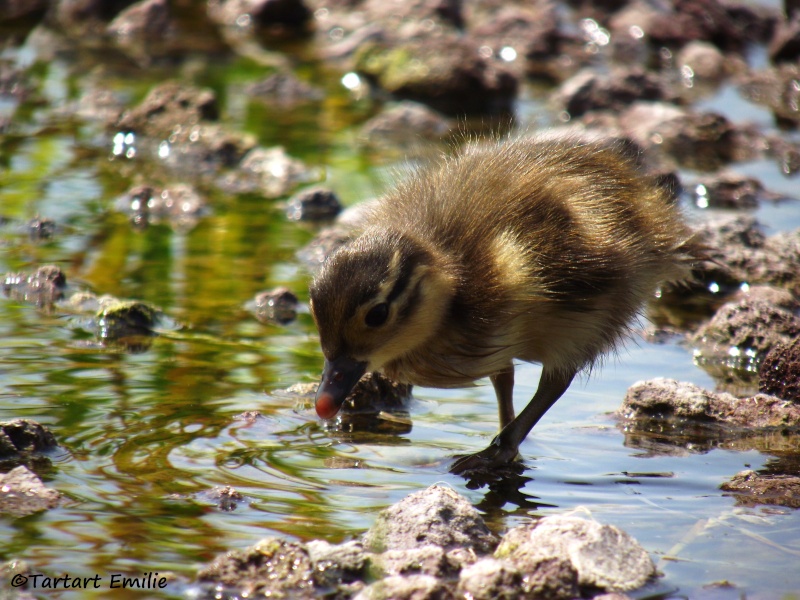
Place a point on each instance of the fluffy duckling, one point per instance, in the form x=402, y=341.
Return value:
x=538, y=249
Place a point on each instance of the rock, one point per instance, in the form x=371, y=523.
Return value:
x=603, y=556
x=776, y=88
x=785, y=44
x=375, y=393
x=266, y=171
x=339, y=564
x=142, y=29
x=226, y=498
x=491, y=579
x=587, y=90
x=276, y=306
x=741, y=333
x=404, y=124
x=315, y=204
x=438, y=516
x=446, y=72
x=17, y=9
x=322, y=246
x=779, y=374
x=425, y=560
x=43, y=288
x=272, y=567
x=180, y=205
x=730, y=190
x=41, y=229
x=752, y=489
x=22, y=493
x=284, y=89
x=411, y=587
x=776, y=296
x=392, y=12
x=276, y=17
x=21, y=437
x=169, y=107
x=666, y=398
x=703, y=141
x=120, y=319
x=84, y=21
x=706, y=62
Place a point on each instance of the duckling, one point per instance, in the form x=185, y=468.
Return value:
x=540, y=249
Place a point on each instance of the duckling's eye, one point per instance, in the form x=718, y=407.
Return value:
x=377, y=315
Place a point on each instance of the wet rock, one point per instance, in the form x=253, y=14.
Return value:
x=411, y=587
x=142, y=29
x=425, y=560
x=276, y=306
x=375, y=392
x=785, y=45
x=315, y=204
x=767, y=293
x=273, y=567
x=271, y=17
x=666, y=398
x=777, y=89
x=603, y=556
x=120, y=319
x=284, y=89
x=21, y=437
x=41, y=228
x=589, y=90
x=752, y=489
x=397, y=11
x=447, y=72
x=169, y=108
x=730, y=190
x=226, y=498
x=322, y=246
x=22, y=493
x=702, y=141
x=438, y=516
x=491, y=579
x=17, y=9
x=779, y=374
x=179, y=205
x=741, y=333
x=707, y=62
x=84, y=21
x=530, y=39
x=338, y=564
x=405, y=124
x=675, y=24
x=43, y=287
x=266, y=171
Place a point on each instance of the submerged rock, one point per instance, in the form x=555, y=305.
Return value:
x=405, y=124
x=731, y=190
x=752, y=489
x=438, y=516
x=44, y=287
x=284, y=89
x=779, y=374
x=276, y=306
x=22, y=493
x=22, y=437
x=666, y=399
x=315, y=204
x=180, y=205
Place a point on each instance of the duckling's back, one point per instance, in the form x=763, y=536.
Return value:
x=557, y=243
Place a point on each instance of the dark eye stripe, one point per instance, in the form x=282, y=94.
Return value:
x=401, y=283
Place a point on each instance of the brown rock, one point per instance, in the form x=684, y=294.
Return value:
x=752, y=489
x=779, y=374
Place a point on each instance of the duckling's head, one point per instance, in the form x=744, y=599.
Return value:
x=378, y=297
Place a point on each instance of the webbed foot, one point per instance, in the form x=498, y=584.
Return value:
x=486, y=462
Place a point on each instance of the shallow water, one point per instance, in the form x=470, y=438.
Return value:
x=144, y=435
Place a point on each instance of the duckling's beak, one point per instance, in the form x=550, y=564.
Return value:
x=339, y=377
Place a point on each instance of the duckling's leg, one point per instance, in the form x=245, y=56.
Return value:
x=503, y=384
x=505, y=445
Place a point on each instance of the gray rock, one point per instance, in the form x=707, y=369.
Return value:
x=338, y=564
x=666, y=398
x=490, y=579
x=273, y=567
x=43, y=287
x=425, y=560
x=603, y=556
x=437, y=515
x=23, y=493
x=276, y=306
x=411, y=587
